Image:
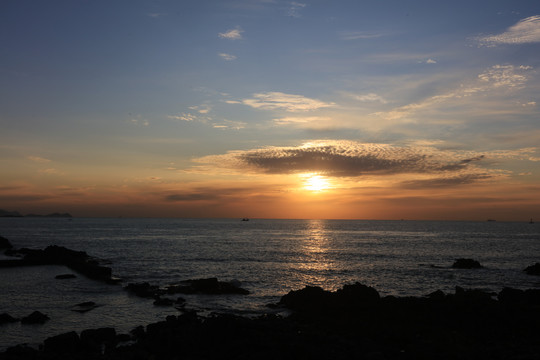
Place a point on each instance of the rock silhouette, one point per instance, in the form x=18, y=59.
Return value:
x=354, y=322
x=79, y=261
x=35, y=318
x=4, y=243
x=533, y=269
x=466, y=264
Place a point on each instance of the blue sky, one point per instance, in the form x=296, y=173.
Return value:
x=213, y=108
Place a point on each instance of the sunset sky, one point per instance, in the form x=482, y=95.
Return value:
x=339, y=109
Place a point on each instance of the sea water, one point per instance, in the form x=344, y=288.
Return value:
x=268, y=257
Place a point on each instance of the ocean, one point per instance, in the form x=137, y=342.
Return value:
x=268, y=257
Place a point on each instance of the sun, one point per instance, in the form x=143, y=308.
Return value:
x=316, y=183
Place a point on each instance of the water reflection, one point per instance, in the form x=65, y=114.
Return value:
x=315, y=254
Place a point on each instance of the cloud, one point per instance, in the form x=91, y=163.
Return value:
x=227, y=57
x=229, y=125
x=211, y=194
x=371, y=97
x=525, y=31
x=504, y=75
x=202, y=109
x=358, y=35
x=140, y=122
x=50, y=171
x=443, y=182
x=294, y=9
x=431, y=166
x=38, y=159
x=497, y=77
x=282, y=101
x=298, y=120
x=233, y=34
x=183, y=117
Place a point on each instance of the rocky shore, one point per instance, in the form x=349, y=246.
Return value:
x=354, y=322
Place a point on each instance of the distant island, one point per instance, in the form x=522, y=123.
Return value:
x=5, y=213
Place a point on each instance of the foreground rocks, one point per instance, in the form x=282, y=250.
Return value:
x=354, y=322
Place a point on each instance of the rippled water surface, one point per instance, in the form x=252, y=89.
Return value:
x=269, y=258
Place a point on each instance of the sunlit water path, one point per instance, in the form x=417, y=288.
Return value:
x=269, y=258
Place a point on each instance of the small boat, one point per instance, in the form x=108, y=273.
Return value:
x=245, y=219
x=531, y=221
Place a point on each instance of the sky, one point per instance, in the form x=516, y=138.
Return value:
x=342, y=109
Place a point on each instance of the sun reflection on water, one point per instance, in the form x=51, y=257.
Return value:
x=316, y=261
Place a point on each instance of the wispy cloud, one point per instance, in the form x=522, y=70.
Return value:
x=139, y=122
x=369, y=97
x=232, y=34
x=504, y=76
x=202, y=109
x=525, y=31
x=359, y=35
x=38, y=159
x=227, y=57
x=156, y=15
x=300, y=120
x=282, y=101
x=352, y=159
x=183, y=117
x=294, y=9
x=229, y=125
x=497, y=77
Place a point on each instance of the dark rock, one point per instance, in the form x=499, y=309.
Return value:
x=144, y=289
x=4, y=243
x=106, y=334
x=511, y=296
x=93, y=339
x=138, y=332
x=65, y=276
x=164, y=302
x=5, y=318
x=35, y=318
x=437, y=295
x=473, y=295
x=466, y=264
x=533, y=269
x=123, y=338
x=59, y=255
x=21, y=352
x=66, y=343
x=310, y=297
x=356, y=294
x=85, y=306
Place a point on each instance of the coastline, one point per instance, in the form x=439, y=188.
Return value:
x=352, y=322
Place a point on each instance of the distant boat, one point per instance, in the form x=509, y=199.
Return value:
x=245, y=219
x=531, y=221
x=491, y=220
